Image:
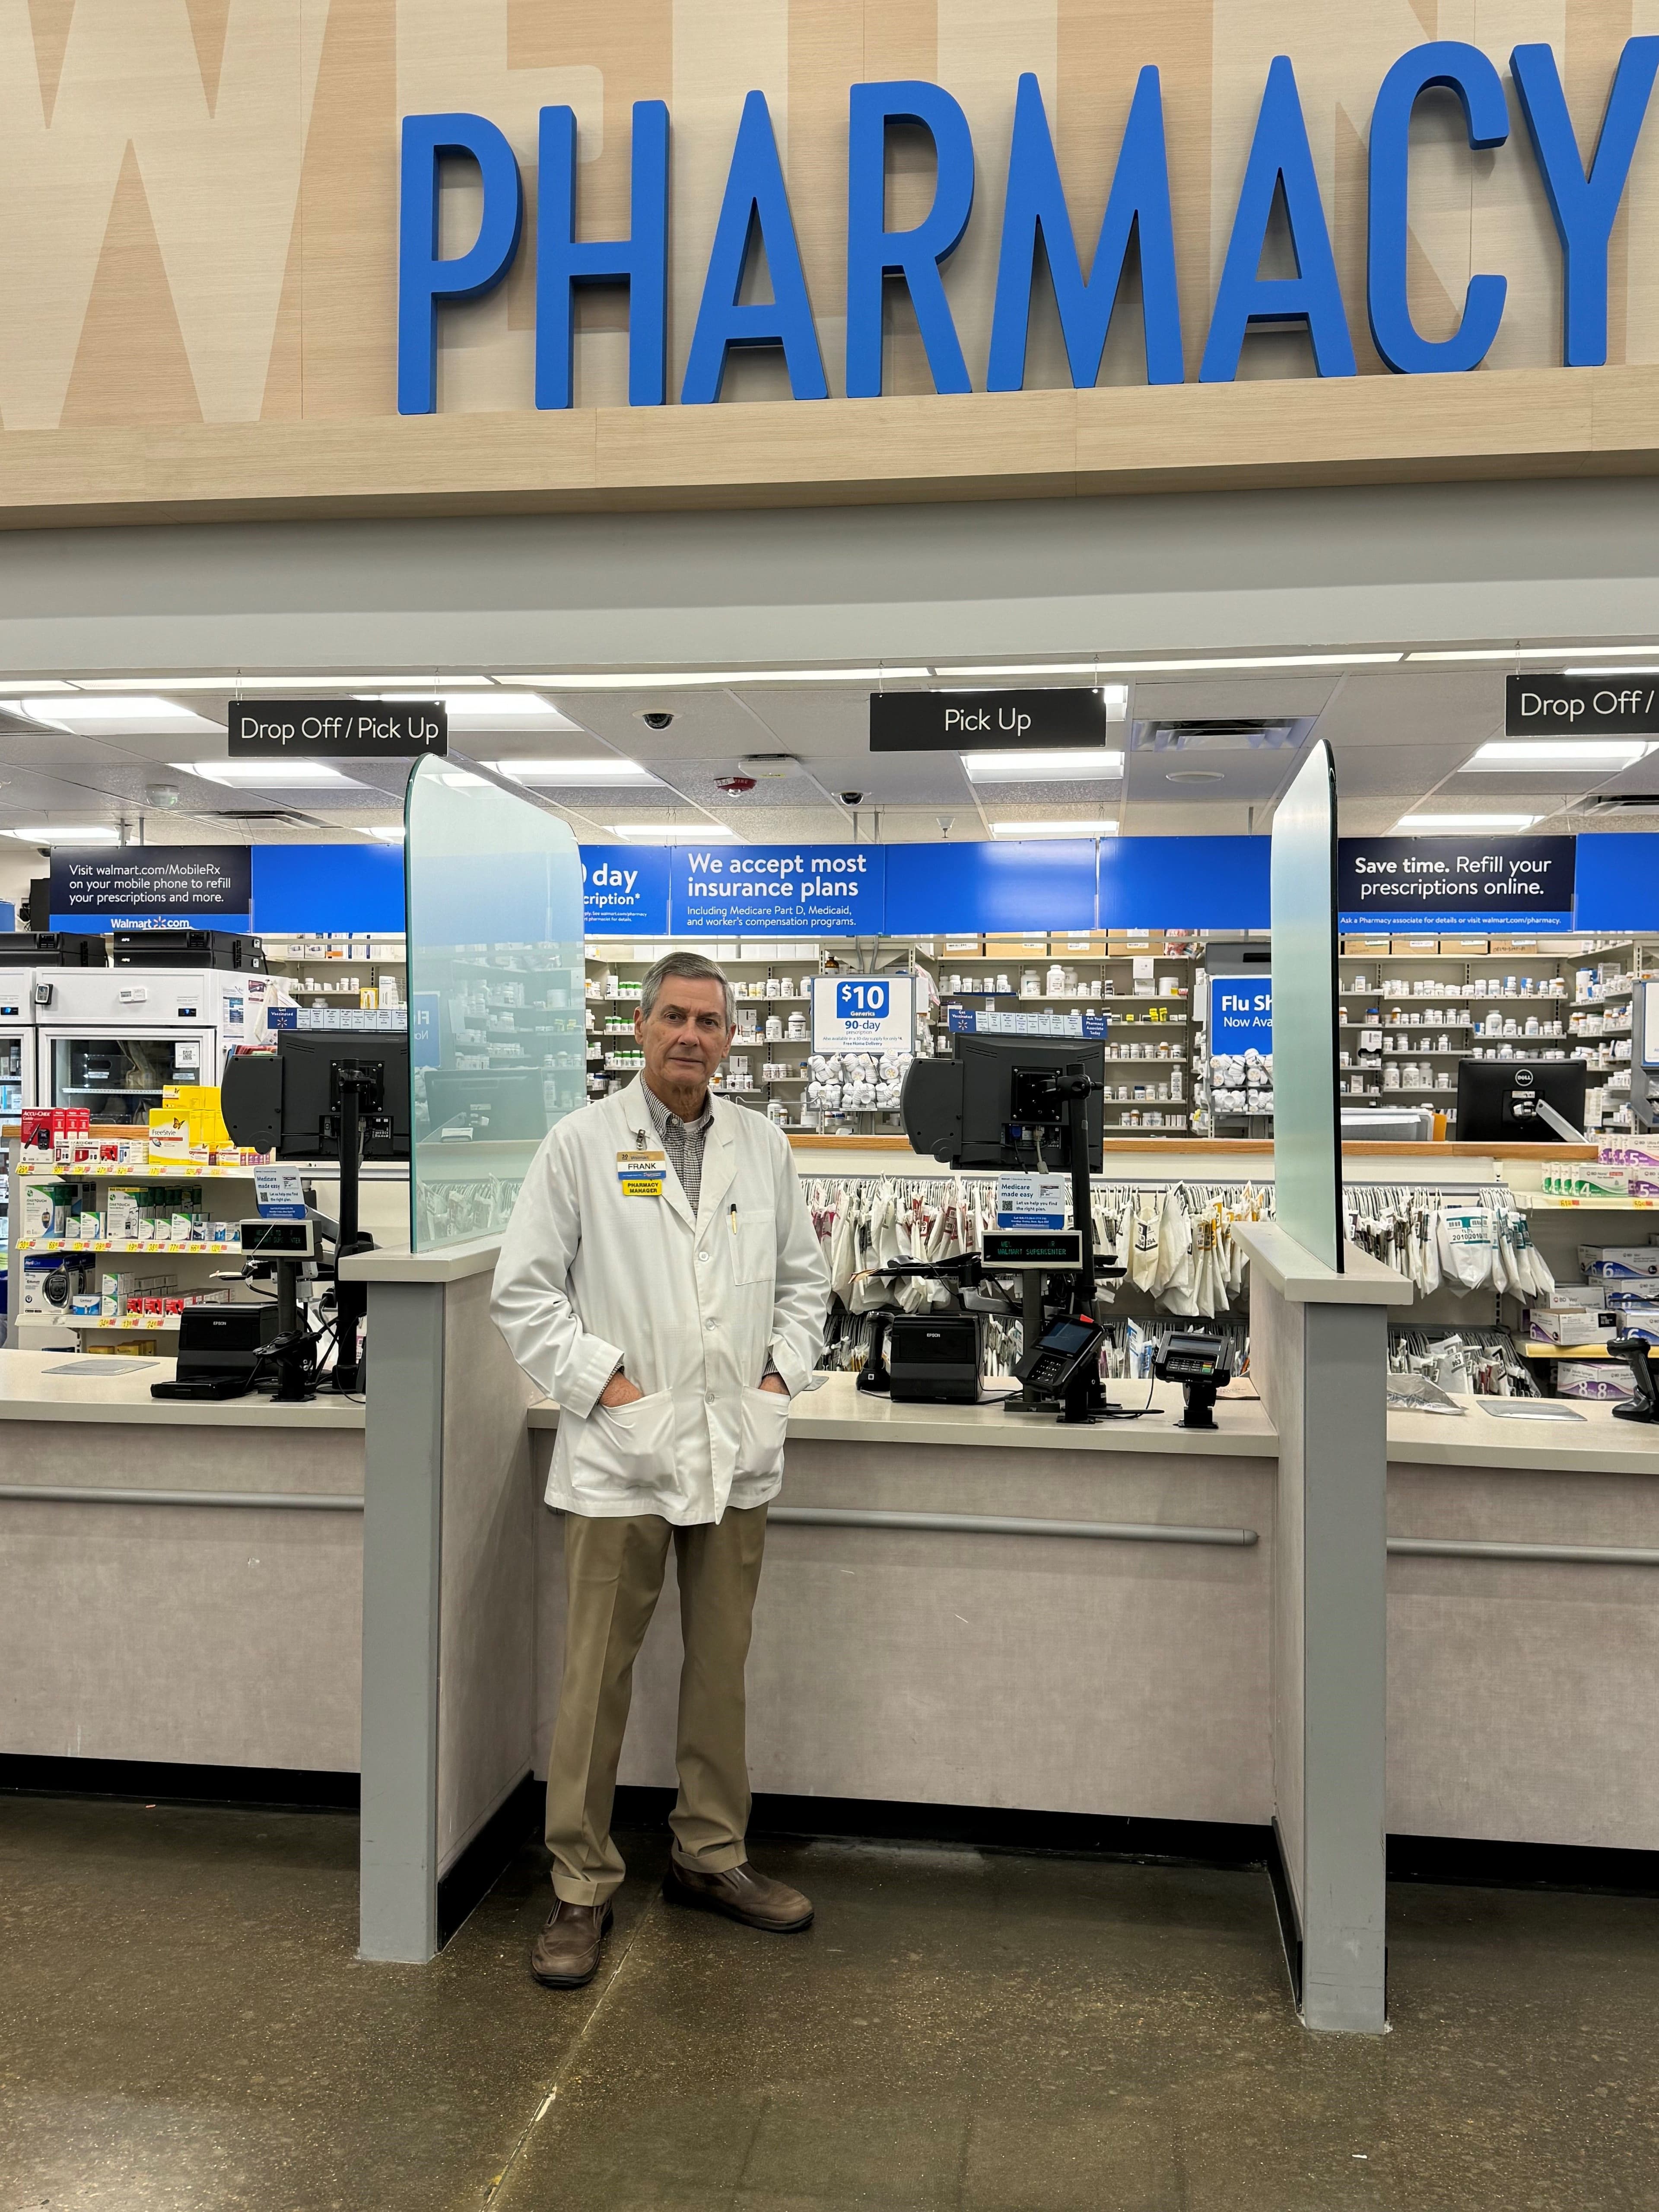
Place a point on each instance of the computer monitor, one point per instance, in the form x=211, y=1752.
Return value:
x=486, y=1103
x=1498, y=1101
x=961, y=1109
x=289, y=1103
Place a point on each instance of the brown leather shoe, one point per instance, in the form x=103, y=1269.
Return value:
x=741, y=1894
x=567, y=1953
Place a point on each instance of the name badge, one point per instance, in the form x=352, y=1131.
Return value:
x=639, y=1175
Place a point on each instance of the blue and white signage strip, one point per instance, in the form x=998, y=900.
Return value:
x=868, y=1013
x=625, y=890
x=776, y=891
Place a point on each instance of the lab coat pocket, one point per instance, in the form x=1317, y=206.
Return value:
x=754, y=1247
x=765, y=1420
x=630, y=1443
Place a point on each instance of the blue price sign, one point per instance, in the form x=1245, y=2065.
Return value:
x=867, y=997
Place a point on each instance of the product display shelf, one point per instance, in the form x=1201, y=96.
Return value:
x=375, y=958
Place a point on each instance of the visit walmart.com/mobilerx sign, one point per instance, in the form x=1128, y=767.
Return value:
x=338, y=729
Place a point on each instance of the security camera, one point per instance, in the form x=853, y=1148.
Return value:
x=161, y=794
x=657, y=719
x=851, y=798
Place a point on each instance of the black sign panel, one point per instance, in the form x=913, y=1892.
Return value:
x=1451, y=883
x=338, y=729
x=1551, y=706
x=984, y=721
x=184, y=880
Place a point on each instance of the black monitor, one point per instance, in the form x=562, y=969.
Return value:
x=963, y=1110
x=489, y=1103
x=289, y=1101
x=1498, y=1101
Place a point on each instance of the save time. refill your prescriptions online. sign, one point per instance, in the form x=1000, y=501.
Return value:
x=756, y=246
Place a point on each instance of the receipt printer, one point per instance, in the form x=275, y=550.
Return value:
x=933, y=1359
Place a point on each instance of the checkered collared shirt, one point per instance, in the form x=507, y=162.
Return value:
x=683, y=1141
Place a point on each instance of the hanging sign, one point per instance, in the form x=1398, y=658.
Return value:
x=985, y=721
x=338, y=729
x=1454, y=883
x=1546, y=705
x=175, y=883
x=873, y=1013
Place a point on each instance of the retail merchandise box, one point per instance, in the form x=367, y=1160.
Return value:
x=1022, y=944
x=1521, y=944
x=1605, y=1381
x=1620, y=1263
x=1371, y=945
x=1414, y=945
x=1465, y=944
x=1081, y=944
x=1583, y=1327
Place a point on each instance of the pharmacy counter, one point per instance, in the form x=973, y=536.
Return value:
x=177, y=1582
x=921, y=1634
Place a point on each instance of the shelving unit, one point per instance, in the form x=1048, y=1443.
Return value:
x=373, y=958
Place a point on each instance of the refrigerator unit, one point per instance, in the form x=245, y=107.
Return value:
x=110, y=1039
x=17, y=1070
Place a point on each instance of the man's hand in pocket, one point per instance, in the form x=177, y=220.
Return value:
x=619, y=1391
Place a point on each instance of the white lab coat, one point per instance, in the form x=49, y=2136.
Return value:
x=588, y=1276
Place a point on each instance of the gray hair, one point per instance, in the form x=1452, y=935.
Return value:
x=694, y=968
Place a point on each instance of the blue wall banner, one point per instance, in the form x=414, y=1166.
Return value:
x=1463, y=882
x=302, y=889
x=1618, y=881
x=625, y=887
x=1182, y=883
x=1047, y=883
x=775, y=890
x=1241, y=1013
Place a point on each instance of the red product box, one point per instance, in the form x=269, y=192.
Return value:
x=153, y=1308
x=172, y=1306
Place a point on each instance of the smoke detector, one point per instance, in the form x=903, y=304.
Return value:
x=735, y=784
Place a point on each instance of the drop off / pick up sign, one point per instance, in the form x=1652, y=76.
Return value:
x=1549, y=706
x=338, y=729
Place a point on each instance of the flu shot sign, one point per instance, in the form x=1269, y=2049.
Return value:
x=868, y=1013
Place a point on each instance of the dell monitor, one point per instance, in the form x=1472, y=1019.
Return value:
x=1500, y=1102
x=964, y=1109
x=289, y=1102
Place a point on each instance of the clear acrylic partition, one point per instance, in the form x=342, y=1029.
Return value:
x=496, y=1006
x=1308, y=1111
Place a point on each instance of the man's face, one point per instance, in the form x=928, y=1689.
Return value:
x=686, y=1034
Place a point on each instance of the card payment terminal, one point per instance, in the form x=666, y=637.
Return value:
x=1067, y=1349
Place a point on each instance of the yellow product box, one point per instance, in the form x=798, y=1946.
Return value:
x=128, y=1347
x=196, y=1105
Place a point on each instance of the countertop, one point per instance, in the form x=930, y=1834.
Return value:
x=29, y=1392
x=836, y=1413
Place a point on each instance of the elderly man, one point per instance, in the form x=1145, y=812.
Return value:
x=660, y=1278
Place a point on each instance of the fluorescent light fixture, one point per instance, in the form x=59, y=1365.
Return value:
x=687, y=679
x=1198, y=664
x=1518, y=653
x=1513, y=755
x=266, y=774
x=1610, y=671
x=608, y=769
x=55, y=833
x=1097, y=828
x=1085, y=764
x=664, y=833
x=1453, y=822
x=35, y=683
x=389, y=833
x=263, y=686
x=484, y=705
x=124, y=706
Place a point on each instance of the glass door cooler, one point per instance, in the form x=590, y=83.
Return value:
x=119, y=1077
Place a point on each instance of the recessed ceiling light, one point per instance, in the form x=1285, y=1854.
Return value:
x=1513, y=653
x=1197, y=665
x=663, y=833
x=1081, y=764
x=262, y=686
x=1610, y=671
x=1467, y=821
x=688, y=679
x=266, y=773
x=1511, y=755
x=37, y=684
x=604, y=770
x=123, y=707
x=1195, y=775
x=484, y=705
x=1097, y=828
x=56, y=833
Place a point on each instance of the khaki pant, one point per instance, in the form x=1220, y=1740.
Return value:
x=614, y=1571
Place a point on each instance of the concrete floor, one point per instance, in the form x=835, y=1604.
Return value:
x=184, y=2028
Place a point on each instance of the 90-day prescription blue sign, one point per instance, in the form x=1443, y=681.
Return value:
x=871, y=1013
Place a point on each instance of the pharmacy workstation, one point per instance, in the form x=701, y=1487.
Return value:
x=1123, y=1302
